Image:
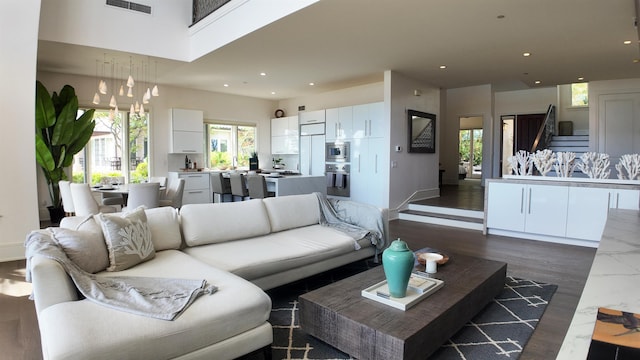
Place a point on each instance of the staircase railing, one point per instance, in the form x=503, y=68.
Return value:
x=546, y=130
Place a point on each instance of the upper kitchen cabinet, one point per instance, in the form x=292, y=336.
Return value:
x=187, y=131
x=339, y=123
x=368, y=121
x=311, y=117
x=284, y=135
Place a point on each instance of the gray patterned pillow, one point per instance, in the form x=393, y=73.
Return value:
x=128, y=238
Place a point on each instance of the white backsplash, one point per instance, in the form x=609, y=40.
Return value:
x=290, y=161
x=176, y=161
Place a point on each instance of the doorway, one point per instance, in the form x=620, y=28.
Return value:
x=470, y=148
x=518, y=132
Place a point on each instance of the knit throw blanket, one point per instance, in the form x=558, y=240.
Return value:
x=159, y=298
x=355, y=219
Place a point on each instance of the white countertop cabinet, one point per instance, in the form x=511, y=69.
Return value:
x=368, y=120
x=572, y=212
x=197, y=186
x=536, y=209
x=187, y=131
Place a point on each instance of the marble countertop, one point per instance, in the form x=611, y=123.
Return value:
x=613, y=282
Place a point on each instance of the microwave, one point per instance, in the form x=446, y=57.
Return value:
x=337, y=152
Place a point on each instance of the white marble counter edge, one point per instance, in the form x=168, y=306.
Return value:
x=612, y=282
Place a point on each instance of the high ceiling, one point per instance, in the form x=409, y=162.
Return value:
x=342, y=43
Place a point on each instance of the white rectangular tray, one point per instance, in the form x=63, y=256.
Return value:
x=412, y=297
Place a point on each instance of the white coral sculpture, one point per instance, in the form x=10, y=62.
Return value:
x=629, y=167
x=521, y=163
x=543, y=160
x=594, y=165
x=565, y=163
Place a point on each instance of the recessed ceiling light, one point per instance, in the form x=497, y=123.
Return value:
x=627, y=42
x=526, y=54
x=263, y=74
x=311, y=84
x=443, y=66
x=500, y=16
x=273, y=93
x=580, y=78
x=635, y=61
x=538, y=82
x=226, y=85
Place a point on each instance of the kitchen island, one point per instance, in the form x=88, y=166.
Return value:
x=295, y=184
x=612, y=282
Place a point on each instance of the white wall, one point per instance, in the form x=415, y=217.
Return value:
x=473, y=101
x=363, y=94
x=216, y=106
x=164, y=33
x=18, y=207
x=416, y=174
x=579, y=116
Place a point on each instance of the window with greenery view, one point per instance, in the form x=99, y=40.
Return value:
x=580, y=94
x=230, y=146
x=117, y=149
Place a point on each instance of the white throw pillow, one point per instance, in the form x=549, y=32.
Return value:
x=165, y=228
x=128, y=238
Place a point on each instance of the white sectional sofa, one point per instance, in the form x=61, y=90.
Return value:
x=242, y=248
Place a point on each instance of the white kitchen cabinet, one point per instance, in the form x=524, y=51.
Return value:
x=311, y=117
x=187, y=131
x=369, y=171
x=536, y=209
x=587, y=212
x=368, y=120
x=284, y=135
x=624, y=199
x=339, y=123
x=197, y=186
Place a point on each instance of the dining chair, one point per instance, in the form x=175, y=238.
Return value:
x=238, y=186
x=143, y=194
x=221, y=186
x=162, y=180
x=173, y=195
x=84, y=203
x=257, y=186
x=67, y=199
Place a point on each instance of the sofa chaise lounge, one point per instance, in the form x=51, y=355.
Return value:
x=241, y=248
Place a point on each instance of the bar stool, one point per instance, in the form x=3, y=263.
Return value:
x=257, y=186
x=220, y=185
x=238, y=186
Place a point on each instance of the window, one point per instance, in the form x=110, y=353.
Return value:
x=580, y=94
x=115, y=134
x=230, y=146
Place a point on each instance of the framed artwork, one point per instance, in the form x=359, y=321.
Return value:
x=422, y=132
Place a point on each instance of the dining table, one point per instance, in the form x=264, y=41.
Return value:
x=122, y=189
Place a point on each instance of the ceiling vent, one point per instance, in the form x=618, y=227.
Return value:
x=130, y=5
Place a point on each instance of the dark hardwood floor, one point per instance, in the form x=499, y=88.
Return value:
x=563, y=265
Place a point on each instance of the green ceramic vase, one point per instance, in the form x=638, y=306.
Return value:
x=398, y=261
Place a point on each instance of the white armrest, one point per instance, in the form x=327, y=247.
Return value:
x=51, y=284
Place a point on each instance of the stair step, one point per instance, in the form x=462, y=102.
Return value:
x=464, y=222
x=446, y=211
x=570, y=137
x=575, y=149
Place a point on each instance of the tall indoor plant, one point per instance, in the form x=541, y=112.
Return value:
x=60, y=134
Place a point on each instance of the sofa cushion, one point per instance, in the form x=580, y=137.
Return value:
x=163, y=222
x=288, y=212
x=93, y=331
x=276, y=252
x=128, y=238
x=85, y=248
x=220, y=222
x=165, y=228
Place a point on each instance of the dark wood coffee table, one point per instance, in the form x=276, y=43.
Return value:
x=365, y=329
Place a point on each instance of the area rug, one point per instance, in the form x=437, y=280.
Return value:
x=500, y=331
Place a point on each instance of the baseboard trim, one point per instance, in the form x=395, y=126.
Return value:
x=11, y=252
x=547, y=238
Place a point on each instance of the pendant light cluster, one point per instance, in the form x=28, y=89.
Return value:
x=133, y=90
